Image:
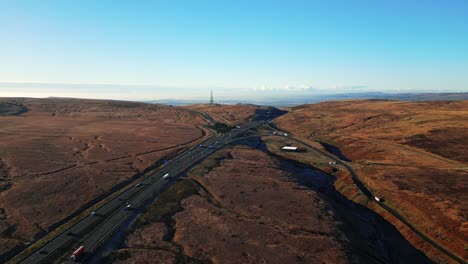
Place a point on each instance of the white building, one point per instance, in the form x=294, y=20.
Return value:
x=289, y=148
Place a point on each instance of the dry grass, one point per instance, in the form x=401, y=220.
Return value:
x=411, y=153
x=63, y=153
x=250, y=211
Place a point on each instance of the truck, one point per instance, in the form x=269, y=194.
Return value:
x=77, y=253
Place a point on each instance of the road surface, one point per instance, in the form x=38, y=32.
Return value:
x=95, y=229
x=371, y=196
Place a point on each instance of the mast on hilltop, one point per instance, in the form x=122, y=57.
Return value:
x=211, y=98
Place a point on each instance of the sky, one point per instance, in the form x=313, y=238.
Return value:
x=143, y=50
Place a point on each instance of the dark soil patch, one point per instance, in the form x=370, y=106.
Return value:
x=11, y=109
x=451, y=143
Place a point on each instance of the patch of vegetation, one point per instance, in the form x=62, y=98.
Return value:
x=210, y=163
x=162, y=210
x=168, y=203
x=221, y=127
x=11, y=109
x=121, y=255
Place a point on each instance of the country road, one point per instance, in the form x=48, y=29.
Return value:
x=371, y=197
x=95, y=230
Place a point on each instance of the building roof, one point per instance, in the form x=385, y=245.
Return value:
x=289, y=148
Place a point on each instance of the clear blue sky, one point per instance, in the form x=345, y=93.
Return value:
x=231, y=46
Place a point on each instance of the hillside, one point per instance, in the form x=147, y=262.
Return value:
x=413, y=154
x=243, y=205
x=56, y=155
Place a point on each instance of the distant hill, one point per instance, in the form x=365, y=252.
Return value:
x=311, y=98
x=235, y=114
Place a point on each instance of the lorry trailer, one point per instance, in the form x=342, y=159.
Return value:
x=77, y=253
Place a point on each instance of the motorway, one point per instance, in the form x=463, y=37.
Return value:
x=94, y=230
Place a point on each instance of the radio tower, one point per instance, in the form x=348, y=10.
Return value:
x=211, y=98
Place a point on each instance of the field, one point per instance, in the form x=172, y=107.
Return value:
x=413, y=154
x=243, y=205
x=57, y=155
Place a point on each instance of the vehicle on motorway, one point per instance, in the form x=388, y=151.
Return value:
x=378, y=199
x=43, y=252
x=166, y=175
x=210, y=146
x=77, y=253
x=138, y=185
x=128, y=207
x=93, y=213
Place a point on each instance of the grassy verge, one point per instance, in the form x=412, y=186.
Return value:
x=210, y=163
x=162, y=210
x=168, y=203
x=49, y=236
x=44, y=240
x=221, y=127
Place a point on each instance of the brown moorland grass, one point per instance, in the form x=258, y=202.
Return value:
x=242, y=206
x=62, y=153
x=414, y=154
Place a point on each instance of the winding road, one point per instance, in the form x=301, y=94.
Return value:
x=371, y=196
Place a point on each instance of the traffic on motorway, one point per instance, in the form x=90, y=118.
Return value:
x=85, y=237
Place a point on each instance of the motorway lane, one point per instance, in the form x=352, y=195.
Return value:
x=97, y=228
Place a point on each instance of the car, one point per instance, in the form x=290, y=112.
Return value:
x=128, y=207
x=138, y=185
x=93, y=213
x=43, y=252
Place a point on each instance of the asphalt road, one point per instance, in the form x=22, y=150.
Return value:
x=371, y=196
x=95, y=229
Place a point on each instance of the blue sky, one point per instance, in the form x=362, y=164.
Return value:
x=179, y=49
